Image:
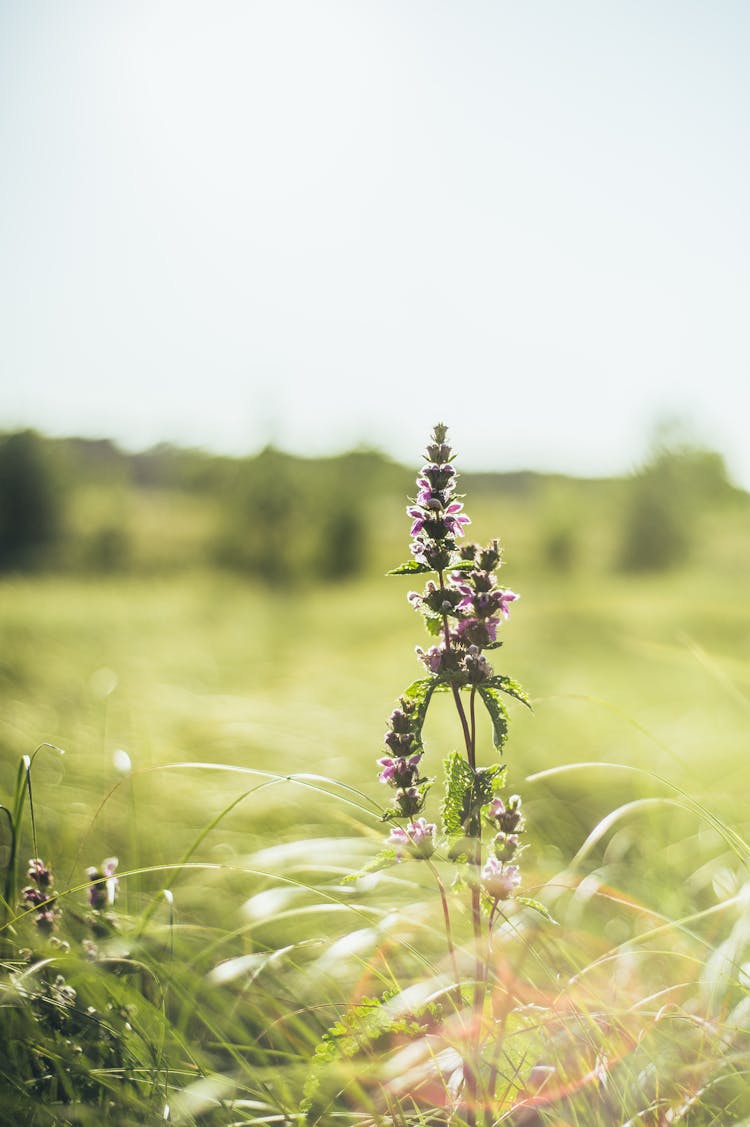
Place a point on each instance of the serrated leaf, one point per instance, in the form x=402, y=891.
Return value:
x=498, y=714
x=420, y=693
x=466, y=793
x=511, y=687
x=418, y=689
x=537, y=906
x=459, y=778
x=411, y=567
x=434, y=625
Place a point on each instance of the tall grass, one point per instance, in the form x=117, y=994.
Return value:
x=233, y=980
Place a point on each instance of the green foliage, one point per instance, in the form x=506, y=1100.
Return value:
x=365, y=1033
x=168, y=508
x=31, y=502
x=467, y=792
x=509, y=686
x=342, y=546
x=420, y=694
x=411, y=567
x=459, y=780
x=498, y=713
x=637, y=1002
x=678, y=483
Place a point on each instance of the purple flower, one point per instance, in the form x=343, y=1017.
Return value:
x=500, y=880
x=33, y=896
x=485, y=603
x=478, y=631
x=509, y=818
x=506, y=846
x=440, y=476
x=506, y=598
x=40, y=873
x=398, y=771
x=418, y=838
x=408, y=801
x=428, y=498
x=433, y=659
x=104, y=883
x=418, y=516
x=43, y=900
x=476, y=666
x=455, y=519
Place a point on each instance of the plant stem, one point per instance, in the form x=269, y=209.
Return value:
x=446, y=919
x=456, y=695
x=474, y=830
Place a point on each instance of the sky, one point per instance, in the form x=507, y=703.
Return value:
x=336, y=222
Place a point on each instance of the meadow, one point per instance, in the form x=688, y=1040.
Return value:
x=220, y=738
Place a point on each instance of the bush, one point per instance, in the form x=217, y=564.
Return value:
x=30, y=502
x=666, y=498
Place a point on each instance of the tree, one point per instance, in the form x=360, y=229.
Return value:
x=30, y=501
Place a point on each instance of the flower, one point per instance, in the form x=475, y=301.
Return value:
x=418, y=837
x=433, y=659
x=509, y=818
x=477, y=631
x=499, y=879
x=507, y=597
x=40, y=873
x=41, y=898
x=454, y=521
x=397, y=770
x=104, y=884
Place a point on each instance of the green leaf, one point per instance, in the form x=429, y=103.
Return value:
x=459, y=779
x=537, y=906
x=411, y=567
x=498, y=714
x=511, y=687
x=462, y=565
x=434, y=625
x=420, y=692
x=466, y=793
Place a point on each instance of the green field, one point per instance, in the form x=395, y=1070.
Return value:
x=647, y=676
x=218, y=689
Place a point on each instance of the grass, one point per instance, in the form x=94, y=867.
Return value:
x=634, y=1009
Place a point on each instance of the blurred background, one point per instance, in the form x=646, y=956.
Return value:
x=251, y=253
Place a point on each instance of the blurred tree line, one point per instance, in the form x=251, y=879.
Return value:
x=86, y=504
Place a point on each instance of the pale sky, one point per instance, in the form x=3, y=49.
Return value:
x=324, y=222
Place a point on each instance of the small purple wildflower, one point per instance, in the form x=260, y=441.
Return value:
x=505, y=846
x=509, y=818
x=499, y=880
x=433, y=659
x=408, y=801
x=104, y=884
x=398, y=771
x=506, y=598
x=477, y=631
x=418, y=838
x=41, y=898
x=40, y=873
x=455, y=519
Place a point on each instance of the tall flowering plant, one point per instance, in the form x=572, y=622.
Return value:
x=464, y=607
x=479, y=831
